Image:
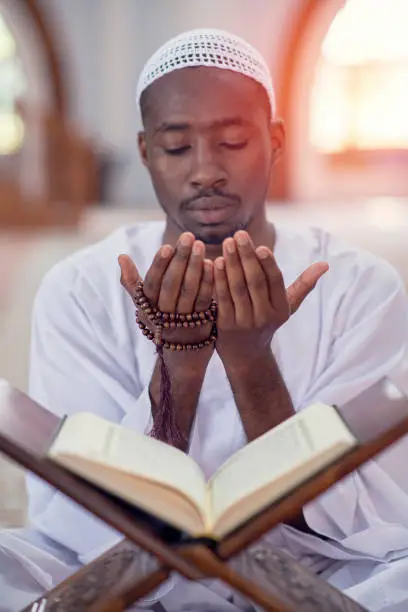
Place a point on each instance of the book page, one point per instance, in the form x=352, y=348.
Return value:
x=91, y=437
x=276, y=454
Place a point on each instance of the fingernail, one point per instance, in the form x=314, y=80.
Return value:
x=263, y=253
x=186, y=239
x=242, y=238
x=230, y=245
x=165, y=251
x=198, y=247
x=220, y=263
x=208, y=265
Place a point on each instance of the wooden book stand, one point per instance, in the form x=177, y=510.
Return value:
x=110, y=582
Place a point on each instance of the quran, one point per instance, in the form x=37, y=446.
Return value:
x=168, y=484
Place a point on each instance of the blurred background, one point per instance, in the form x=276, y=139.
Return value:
x=69, y=166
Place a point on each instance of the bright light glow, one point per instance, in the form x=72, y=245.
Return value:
x=366, y=30
x=12, y=86
x=12, y=133
x=359, y=97
x=7, y=43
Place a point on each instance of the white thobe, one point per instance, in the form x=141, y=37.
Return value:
x=88, y=355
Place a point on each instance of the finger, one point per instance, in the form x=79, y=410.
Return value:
x=276, y=285
x=226, y=310
x=129, y=275
x=192, y=278
x=174, y=274
x=237, y=284
x=206, y=289
x=155, y=273
x=304, y=284
x=255, y=278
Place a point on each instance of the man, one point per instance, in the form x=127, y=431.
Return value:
x=210, y=139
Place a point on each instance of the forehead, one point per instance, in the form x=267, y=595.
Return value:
x=205, y=96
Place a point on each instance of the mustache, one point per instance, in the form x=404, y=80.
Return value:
x=210, y=193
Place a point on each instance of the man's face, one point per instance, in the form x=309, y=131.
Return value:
x=209, y=146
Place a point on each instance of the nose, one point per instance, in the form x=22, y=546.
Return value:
x=207, y=171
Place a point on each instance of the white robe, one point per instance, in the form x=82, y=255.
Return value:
x=87, y=354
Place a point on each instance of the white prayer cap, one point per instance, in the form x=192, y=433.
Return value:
x=207, y=47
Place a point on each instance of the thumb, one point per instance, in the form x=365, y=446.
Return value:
x=304, y=284
x=129, y=274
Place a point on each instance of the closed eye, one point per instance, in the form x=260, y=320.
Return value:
x=178, y=150
x=236, y=146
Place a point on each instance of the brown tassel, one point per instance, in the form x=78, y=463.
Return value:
x=165, y=426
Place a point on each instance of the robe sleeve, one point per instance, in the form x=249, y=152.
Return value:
x=368, y=333
x=368, y=511
x=81, y=363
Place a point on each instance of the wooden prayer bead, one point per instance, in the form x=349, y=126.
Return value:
x=167, y=320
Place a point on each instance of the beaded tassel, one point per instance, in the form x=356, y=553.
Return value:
x=165, y=427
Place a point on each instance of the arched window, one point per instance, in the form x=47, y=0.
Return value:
x=344, y=97
x=12, y=87
x=359, y=97
x=48, y=170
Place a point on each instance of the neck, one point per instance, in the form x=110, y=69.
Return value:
x=261, y=231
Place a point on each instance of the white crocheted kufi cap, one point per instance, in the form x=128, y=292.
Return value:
x=204, y=47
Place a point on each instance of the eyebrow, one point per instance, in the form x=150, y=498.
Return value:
x=167, y=127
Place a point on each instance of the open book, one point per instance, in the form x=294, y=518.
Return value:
x=168, y=484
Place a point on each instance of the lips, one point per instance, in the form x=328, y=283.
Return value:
x=211, y=211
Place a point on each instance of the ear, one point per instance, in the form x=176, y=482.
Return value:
x=278, y=138
x=141, y=141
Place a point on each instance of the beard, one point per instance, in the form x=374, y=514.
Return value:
x=216, y=238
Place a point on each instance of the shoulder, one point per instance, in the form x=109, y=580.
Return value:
x=359, y=291
x=90, y=277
